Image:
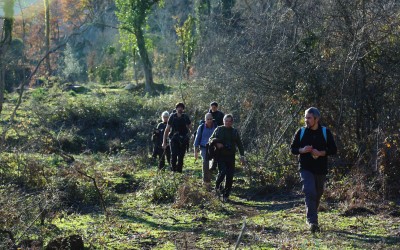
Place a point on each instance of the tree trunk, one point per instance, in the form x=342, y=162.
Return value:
x=135, y=73
x=2, y=82
x=47, y=35
x=147, y=68
x=5, y=40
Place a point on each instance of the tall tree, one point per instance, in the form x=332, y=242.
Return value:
x=5, y=40
x=187, y=43
x=132, y=15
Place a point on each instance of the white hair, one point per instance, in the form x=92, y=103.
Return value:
x=208, y=114
x=165, y=114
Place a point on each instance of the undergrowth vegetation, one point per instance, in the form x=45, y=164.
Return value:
x=78, y=163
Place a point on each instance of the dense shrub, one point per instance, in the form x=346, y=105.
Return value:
x=389, y=167
x=110, y=117
x=83, y=186
x=19, y=209
x=30, y=171
x=112, y=68
x=192, y=194
x=162, y=187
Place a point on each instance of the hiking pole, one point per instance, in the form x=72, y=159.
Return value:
x=241, y=233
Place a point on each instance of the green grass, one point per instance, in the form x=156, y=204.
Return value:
x=272, y=222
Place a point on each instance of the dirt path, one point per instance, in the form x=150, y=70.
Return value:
x=226, y=232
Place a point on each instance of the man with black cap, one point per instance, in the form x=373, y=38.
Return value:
x=177, y=130
x=218, y=116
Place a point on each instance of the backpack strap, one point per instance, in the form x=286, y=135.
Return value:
x=324, y=133
x=201, y=130
x=303, y=129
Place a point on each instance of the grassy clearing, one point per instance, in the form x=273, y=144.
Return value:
x=272, y=222
x=145, y=208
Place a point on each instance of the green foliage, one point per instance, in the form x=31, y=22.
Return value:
x=187, y=41
x=389, y=166
x=80, y=194
x=193, y=195
x=91, y=125
x=70, y=141
x=112, y=68
x=134, y=12
x=73, y=69
x=30, y=171
x=162, y=187
x=17, y=206
x=39, y=94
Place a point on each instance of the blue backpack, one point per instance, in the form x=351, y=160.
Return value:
x=303, y=129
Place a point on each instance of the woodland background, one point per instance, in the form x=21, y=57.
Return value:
x=83, y=83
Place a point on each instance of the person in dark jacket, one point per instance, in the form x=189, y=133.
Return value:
x=230, y=139
x=177, y=130
x=217, y=115
x=313, y=144
x=158, y=136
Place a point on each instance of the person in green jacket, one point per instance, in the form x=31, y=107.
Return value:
x=228, y=139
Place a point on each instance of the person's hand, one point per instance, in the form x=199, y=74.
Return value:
x=164, y=145
x=316, y=153
x=196, y=154
x=220, y=145
x=306, y=149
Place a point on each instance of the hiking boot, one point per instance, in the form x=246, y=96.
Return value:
x=225, y=199
x=314, y=228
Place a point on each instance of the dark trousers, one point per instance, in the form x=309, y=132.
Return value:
x=161, y=155
x=155, y=151
x=178, y=151
x=313, y=188
x=226, y=170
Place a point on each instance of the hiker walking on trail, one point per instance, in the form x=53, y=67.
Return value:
x=204, y=132
x=178, y=131
x=217, y=115
x=313, y=143
x=228, y=139
x=158, y=136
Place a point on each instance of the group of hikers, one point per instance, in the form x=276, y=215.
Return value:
x=313, y=143
x=172, y=138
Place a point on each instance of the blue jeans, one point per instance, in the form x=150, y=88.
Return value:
x=206, y=166
x=313, y=188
